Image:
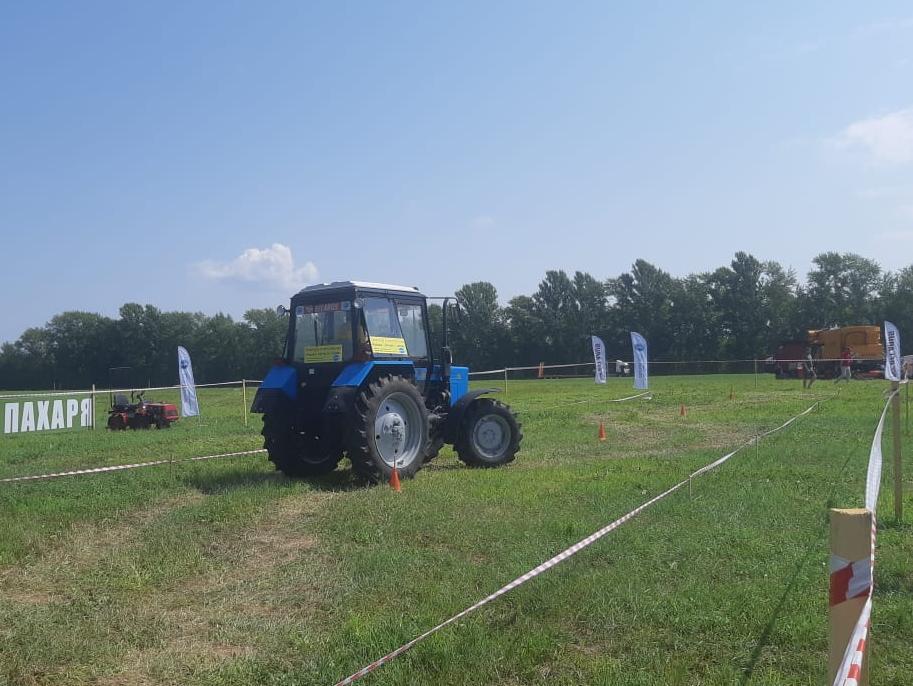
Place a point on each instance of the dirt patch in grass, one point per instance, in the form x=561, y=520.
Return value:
x=266, y=576
x=658, y=434
x=44, y=579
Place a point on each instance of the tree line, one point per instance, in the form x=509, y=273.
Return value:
x=739, y=311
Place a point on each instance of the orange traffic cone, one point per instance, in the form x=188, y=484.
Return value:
x=682, y=412
x=601, y=431
x=394, y=480
x=542, y=370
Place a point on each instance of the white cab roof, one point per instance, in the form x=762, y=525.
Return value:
x=358, y=284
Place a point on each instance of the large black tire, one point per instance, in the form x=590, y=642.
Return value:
x=294, y=454
x=388, y=413
x=489, y=435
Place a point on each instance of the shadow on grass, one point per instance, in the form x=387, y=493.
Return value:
x=772, y=622
x=239, y=478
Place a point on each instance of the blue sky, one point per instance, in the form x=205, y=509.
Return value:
x=217, y=156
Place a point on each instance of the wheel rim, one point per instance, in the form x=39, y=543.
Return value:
x=398, y=430
x=491, y=436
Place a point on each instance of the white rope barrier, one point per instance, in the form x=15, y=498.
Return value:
x=121, y=467
x=679, y=362
x=101, y=391
x=560, y=557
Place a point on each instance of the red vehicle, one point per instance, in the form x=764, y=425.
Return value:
x=137, y=413
x=787, y=359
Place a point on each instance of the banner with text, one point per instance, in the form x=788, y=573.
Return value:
x=47, y=415
x=891, y=352
x=599, y=356
x=641, y=374
x=190, y=406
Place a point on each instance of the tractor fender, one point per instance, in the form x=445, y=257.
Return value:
x=356, y=376
x=458, y=411
x=279, y=388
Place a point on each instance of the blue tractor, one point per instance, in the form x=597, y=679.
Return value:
x=359, y=378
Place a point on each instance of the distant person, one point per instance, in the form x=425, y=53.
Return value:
x=846, y=366
x=808, y=367
x=906, y=367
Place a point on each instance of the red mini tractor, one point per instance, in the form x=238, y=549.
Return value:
x=137, y=413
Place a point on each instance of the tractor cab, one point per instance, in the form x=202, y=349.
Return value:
x=349, y=322
x=359, y=354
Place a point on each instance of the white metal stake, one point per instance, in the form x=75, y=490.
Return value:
x=244, y=399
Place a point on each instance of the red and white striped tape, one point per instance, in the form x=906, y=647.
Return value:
x=560, y=557
x=121, y=467
x=851, y=665
x=849, y=579
x=850, y=670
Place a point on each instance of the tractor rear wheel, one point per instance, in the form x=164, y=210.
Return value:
x=490, y=435
x=295, y=454
x=390, y=428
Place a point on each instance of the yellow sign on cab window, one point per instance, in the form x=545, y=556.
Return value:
x=382, y=345
x=323, y=353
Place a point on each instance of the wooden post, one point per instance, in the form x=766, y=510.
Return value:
x=895, y=435
x=244, y=399
x=851, y=541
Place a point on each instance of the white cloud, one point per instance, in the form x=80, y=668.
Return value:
x=483, y=222
x=273, y=267
x=888, y=138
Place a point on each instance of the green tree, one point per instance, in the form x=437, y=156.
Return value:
x=842, y=290
x=79, y=345
x=642, y=301
x=526, y=333
x=262, y=340
x=556, y=306
x=479, y=333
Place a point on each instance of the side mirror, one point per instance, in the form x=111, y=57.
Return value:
x=455, y=312
x=447, y=361
x=282, y=311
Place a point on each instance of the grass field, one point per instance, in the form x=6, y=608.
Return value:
x=224, y=572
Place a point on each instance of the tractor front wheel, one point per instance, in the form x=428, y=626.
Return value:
x=295, y=454
x=489, y=436
x=391, y=428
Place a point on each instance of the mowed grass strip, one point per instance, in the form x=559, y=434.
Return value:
x=227, y=573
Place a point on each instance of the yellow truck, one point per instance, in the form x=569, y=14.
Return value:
x=863, y=342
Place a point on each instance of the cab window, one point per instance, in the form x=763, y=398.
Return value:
x=384, y=333
x=412, y=324
x=323, y=332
